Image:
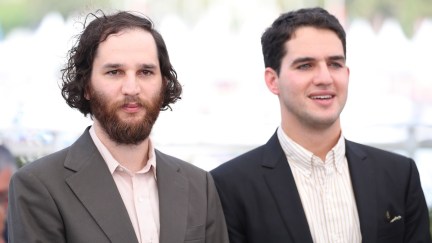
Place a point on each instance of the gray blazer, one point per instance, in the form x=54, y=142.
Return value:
x=70, y=196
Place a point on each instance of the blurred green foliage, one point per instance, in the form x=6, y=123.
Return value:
x=407, y=12
x=28, y=13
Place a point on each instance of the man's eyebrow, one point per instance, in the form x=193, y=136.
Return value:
x=310, y=59
x=111, y=66
x=337, y=58
x=302, y=60
x=118, y=65
x=148, y=66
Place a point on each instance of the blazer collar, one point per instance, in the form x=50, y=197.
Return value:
x=95, y=188
x=363, y=180
x=280, y=181
x=173, y=190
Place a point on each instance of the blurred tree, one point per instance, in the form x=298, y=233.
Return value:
x=407, y=12
x=28, y=13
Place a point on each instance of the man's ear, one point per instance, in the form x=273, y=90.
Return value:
x=87, y=93
x=272, y=80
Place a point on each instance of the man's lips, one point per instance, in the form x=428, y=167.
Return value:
x=131, y=107
x=324, y=99
x=321, y=97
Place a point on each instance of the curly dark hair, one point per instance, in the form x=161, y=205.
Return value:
x=77, y=71
x=282, y=29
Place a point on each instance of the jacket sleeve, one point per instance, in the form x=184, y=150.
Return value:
x=417, y=221
x=32, y=213
x=216, y=229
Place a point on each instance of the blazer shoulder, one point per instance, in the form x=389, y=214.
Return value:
x=179, y=164
x=46, y=164
x=268, y=154
x=48, y=171
x=370, y=151
x=77, y=153
x=241, y=165
x=379, y=158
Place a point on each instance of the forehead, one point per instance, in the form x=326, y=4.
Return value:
x=128, y=43
x=314, y=41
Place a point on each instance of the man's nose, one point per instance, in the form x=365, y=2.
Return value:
x=131, y=85
x=323, y=75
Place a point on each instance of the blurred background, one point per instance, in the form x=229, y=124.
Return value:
x=215, y=47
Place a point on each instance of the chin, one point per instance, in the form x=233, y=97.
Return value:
x=131, y=117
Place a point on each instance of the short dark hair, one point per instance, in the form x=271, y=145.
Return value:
x=77, y=71
x=274, y=38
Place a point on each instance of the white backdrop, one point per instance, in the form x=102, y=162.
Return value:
x=226, y=108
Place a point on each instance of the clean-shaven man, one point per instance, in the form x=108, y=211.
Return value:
x=308, y=183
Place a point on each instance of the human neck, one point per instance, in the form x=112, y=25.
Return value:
x=132, y=157
x=318, y=141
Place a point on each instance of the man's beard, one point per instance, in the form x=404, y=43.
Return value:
x=122, y=131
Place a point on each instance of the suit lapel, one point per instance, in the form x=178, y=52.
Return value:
x=363, y=181
x=280, y=181
x=95, y=188
x=173, y=190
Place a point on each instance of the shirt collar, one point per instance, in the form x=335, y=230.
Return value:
x=304, y=160
x=114, y=165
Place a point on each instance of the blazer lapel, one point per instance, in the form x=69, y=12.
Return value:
x=95, y=188
x=363, y=181
x=173, y=190
x=280, y=181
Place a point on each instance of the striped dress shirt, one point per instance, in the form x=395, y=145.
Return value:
x=325, y=191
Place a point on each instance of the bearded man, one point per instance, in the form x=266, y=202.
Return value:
x=112, y=185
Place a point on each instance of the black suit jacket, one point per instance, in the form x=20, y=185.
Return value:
x=261, y=202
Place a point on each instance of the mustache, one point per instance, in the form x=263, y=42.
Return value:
x=132, y=99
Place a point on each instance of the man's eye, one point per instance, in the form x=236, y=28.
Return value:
x=304, y=66
x=336, y=65
x=146, y=72
x=113, y=72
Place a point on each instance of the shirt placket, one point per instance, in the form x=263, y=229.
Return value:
x=320, y=175
x=143, y=207
x=333, y=204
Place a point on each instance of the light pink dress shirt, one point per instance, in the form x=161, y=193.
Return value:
x=138, y=191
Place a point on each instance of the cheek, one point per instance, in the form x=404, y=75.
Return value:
x=294, y=87
x=343, y=85
x=342, y=90
x=153, y=90
x=341, y=80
